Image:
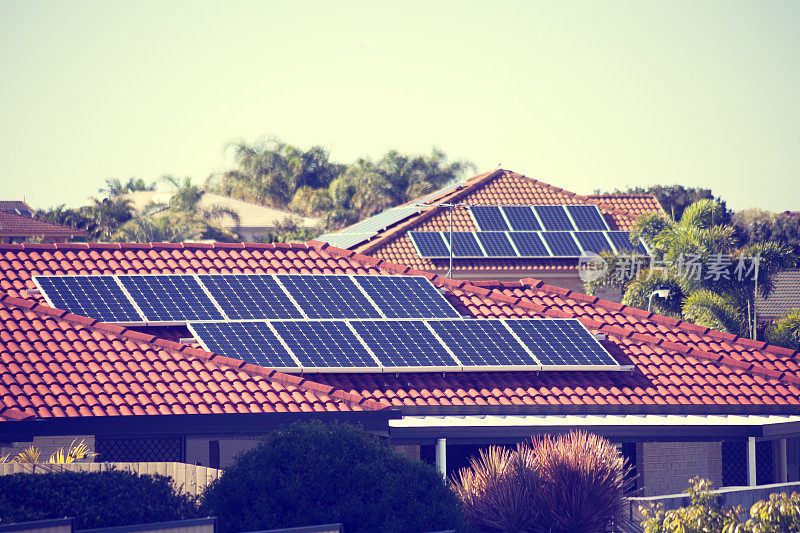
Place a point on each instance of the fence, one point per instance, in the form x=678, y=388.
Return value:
x=186, y=478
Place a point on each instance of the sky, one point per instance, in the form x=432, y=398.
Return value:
x=583, y=95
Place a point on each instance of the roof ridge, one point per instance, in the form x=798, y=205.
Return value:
x=186, y=350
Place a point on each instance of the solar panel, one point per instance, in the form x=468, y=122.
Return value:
x=529, y=244
x=365, y=229
x=247, y=296
x=554, y=217
x=465, y=244
x=488, y=218
x=344, y=240
x=252, y=342
x=622, y=242
x=561, y=243
x=496, y=244
x=328, y=296
x=587, y=217
x=429, y=243
x=521, y=218
x=482, y=343
x=561, y=342
x=98, y=297
x=324, y=344
x=406, y=297
x=170, y=298
x=403, y=343
x=593, y=241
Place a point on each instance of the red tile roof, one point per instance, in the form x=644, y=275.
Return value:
x=500, y=187
x=677, y=365
x=14, y=225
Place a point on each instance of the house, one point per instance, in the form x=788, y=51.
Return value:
x=254, y=219
x=18, y=224
x=387, y=235
x=784, y=297
x=685, y=400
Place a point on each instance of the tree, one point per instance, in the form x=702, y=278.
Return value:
x=674, y=198
x=114, y=187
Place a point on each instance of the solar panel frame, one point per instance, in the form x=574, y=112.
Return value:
x=587, y=218
x=406, y=296
x=82, y=295
x=554, y=218
x=529, y=244
x=429, y=244
x=521, y=218
x=313, y=342
x=170, y=298
x=488, y=218
x=250, y=296
x=621, y=242
x=265, y=348
x=483, y=344
x=465, y=245
x=402, y=344
x=593, y=241
x=563, y=344
x=497, y=244
x=561, y=243
x=328, y=296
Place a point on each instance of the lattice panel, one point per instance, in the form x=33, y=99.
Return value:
x=139, y=450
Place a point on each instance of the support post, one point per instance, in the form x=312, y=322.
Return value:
x=783, y=467
x=441, y=457
x=751, y=461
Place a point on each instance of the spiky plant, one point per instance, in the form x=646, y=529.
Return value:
x=28, y=455
x=76, y=452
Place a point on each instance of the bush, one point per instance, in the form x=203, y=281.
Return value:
x=573, y=482
x=312, y=473
x=95, y=499
x=779, y=514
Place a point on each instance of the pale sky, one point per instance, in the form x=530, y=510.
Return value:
x=584, y=95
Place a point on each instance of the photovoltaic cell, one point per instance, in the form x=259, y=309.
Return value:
x=529, y=244
x=97, y=297
x=481, y=342
x=406, y=297
x=561, y=342
x=496, y=244
x=250, y=296
x=403, y=343
x=170, y=298
x=554, y=217
x=252, y=342
x=328, y=296
x=593, y=241
x=429, y=243
x=561, y=243
x=324, y=344
x=521, y=218
x=489, y=218
x=622, y=241
x=465, y=244
x=587, y=217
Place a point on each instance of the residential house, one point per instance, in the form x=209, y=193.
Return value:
x=18, y=223
x=784, y=296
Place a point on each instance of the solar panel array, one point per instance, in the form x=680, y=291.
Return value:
x=179, y=298
x=517, y=244
x=408, y=345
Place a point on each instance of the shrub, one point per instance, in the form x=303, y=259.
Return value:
x=95, y=499
x=779, y=514
x=573, y=482
x=703, y=514
x=313, y=473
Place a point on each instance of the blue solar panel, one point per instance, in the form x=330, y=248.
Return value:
x=252, y=342
x=246, y=296
x=429, y=243
x=587, y=217
x=489, y=218
x=521, y=218
x=529, y=244
x=561, y=243
x=328, y=296
x=403, y=343
x=622, y=242
x=561, y=342
x=170, y=298
x=554, y=217
x=406, y=297
x=496, y=244
x=593, y=241
x=465, y=244
x=98, y=297
x=482, y=343
x=324, y=344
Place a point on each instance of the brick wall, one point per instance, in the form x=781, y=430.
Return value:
x=666, y=467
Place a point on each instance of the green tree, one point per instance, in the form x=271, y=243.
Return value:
x=114, y=187
x=785, y=331
x=674, y=198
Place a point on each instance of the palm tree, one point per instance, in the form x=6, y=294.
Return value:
x=114, y=187
x=164, y=228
